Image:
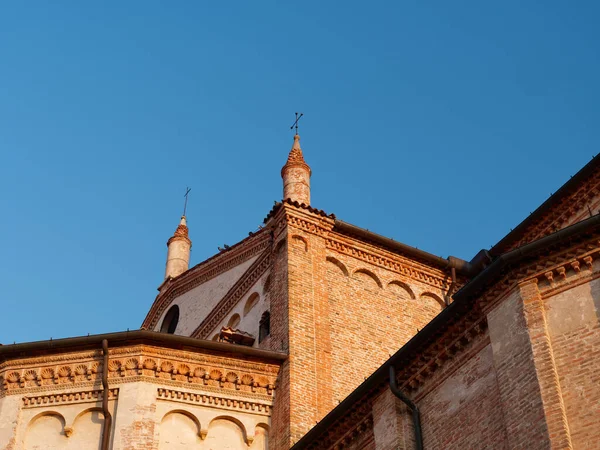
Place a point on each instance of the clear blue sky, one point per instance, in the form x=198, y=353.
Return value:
x=440, y=124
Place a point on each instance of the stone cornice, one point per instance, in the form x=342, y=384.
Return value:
x=234, y=295
x=176, y=368
x=204, y=272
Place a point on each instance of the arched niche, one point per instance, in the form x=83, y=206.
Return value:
x=428, y=306
x=170, y=321
x=358, y=273
x=234, y=321
x=433, y=299
x=261, y=437
x=46, y=431
x=251, y=302
x=87, y=430
x=179, y=430
x=226, y=433
x=337, y=263
x=300, y=242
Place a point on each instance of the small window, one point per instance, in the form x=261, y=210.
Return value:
x=264, y=328
x=170, y=321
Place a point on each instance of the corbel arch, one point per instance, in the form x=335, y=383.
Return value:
x=404, y=286
x=369, y=274
x=300, y=241
x=240, y=427
x=46, y=430
x=340, y=265
x=164, y=432
x=435, y=297
x=58, y=415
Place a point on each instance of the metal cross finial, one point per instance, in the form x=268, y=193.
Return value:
x=298, y=117
x=186, y=199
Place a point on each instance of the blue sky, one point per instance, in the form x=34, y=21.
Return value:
x=440, y=124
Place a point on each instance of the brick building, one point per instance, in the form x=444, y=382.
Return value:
x=284, y=340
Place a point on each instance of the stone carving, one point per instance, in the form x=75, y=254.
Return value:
x=147, y=362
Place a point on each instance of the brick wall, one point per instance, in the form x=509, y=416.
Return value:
x=373, y=312
x=339, y=318
x=574, y=326
x=462, y=408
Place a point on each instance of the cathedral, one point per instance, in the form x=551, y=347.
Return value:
x=313, y=333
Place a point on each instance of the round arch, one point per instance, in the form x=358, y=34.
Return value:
x=169, y=324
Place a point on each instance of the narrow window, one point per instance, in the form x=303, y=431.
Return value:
x=264, y=328
x=170, y=322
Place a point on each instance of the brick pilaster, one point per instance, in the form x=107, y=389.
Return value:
x=543, y=360
x=527, y=380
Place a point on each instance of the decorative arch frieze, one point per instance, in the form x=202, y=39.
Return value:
x=435, y=297
x=404, y=286
x=248, y=439
x=369, y=274
x=340, y=265
x=300, y=241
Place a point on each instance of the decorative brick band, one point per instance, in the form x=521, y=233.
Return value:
x=211, y=400
x=216, y=375
x=407, y=268
x=69, y=397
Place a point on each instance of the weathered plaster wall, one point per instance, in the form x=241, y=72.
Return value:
x=197, y=303
x=9, y=420
x=54, y=402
